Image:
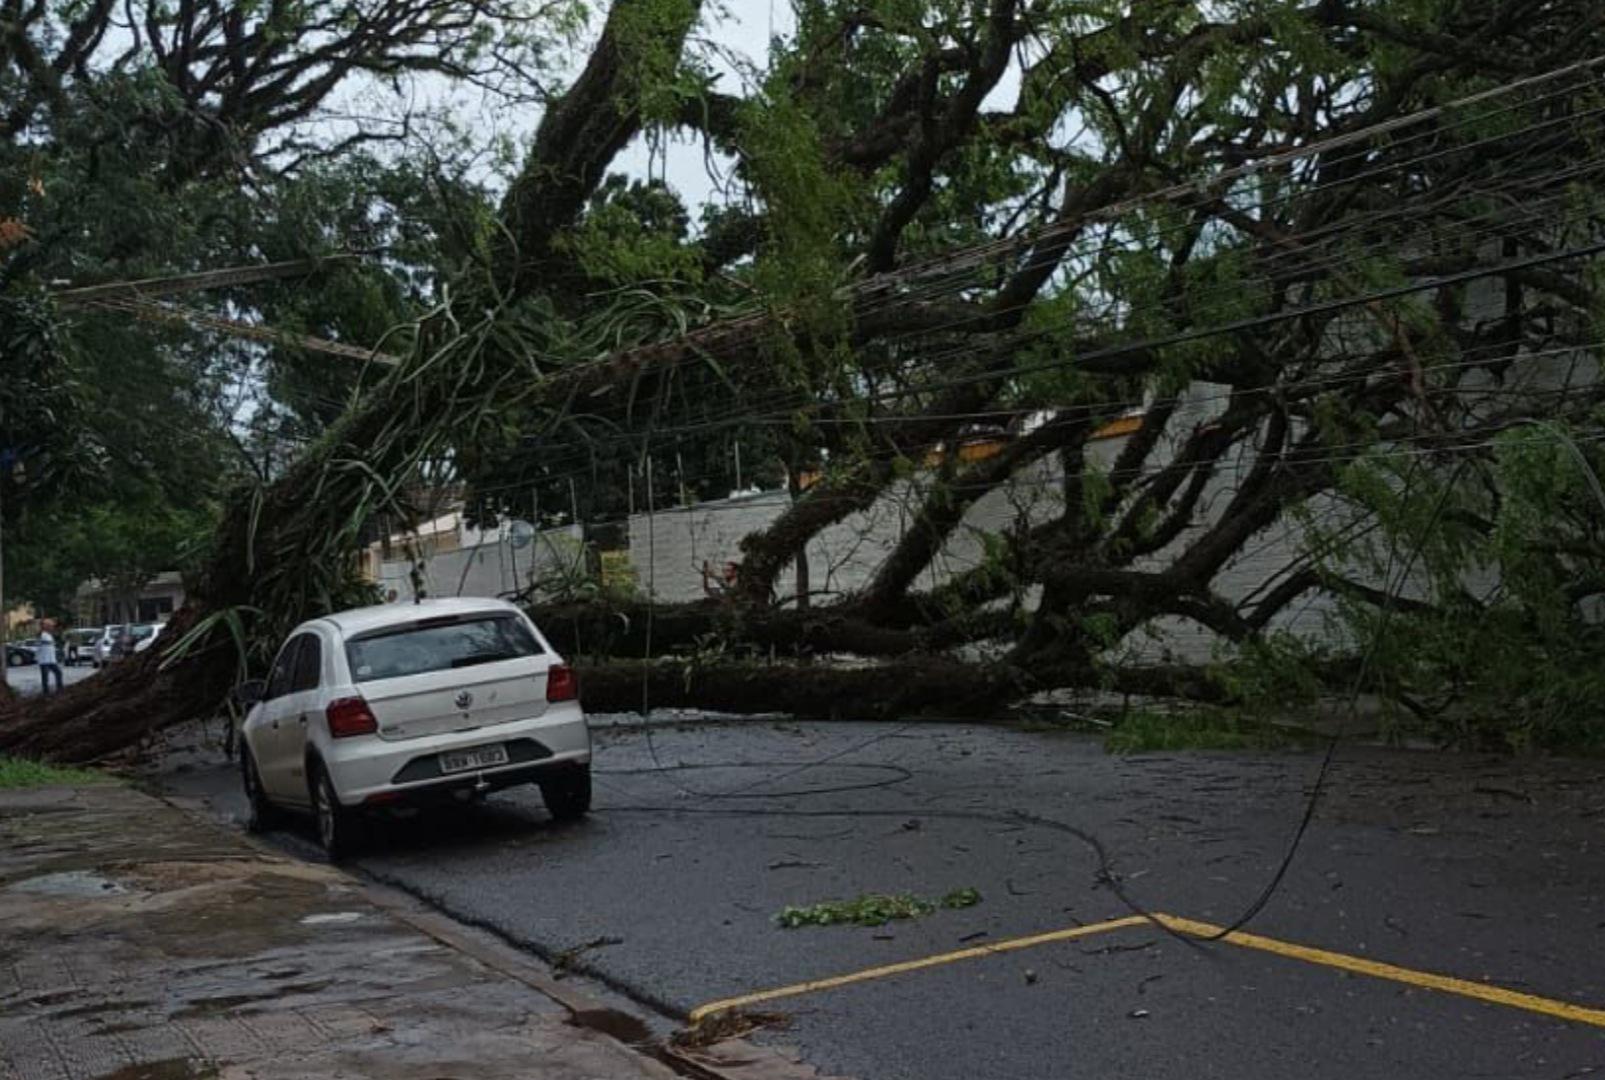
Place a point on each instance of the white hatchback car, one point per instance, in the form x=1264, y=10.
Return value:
x=402, y=703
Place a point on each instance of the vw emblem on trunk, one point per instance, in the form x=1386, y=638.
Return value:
x=464, y=699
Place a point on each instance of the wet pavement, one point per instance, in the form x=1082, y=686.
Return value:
x=1478, y=869
x=25, y=680
x=137, y=943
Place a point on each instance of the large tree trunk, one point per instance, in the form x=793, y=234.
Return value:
x=928, y=688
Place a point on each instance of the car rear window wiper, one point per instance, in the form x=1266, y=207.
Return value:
x=483, y=658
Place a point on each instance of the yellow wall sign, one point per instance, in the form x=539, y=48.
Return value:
x=617, y=570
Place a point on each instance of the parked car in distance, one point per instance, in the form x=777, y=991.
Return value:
x=137, y=634
x=145, y=636
x=406, y=703
x=107, y=646
x=78, y=646
x=19, y=653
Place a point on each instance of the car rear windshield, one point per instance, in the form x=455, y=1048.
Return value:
x=439, y=645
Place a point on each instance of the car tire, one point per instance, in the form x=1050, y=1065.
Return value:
x=568, y=795
x=339, y=829
x=263, y=815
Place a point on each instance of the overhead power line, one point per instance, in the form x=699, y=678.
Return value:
x=153, y=311
x=140, y=299
x=224, y=278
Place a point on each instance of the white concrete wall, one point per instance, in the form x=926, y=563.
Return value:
x=669, y=548
x=489, y=569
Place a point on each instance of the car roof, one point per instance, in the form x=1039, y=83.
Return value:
x=360, y=620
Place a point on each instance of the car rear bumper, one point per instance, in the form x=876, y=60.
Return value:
x=371, y=771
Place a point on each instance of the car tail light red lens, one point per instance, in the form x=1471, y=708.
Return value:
x=561, y=683
x=350, y=716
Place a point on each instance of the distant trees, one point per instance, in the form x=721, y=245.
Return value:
x=149, y=139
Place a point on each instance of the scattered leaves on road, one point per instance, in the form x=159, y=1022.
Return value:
x=872, y=909
x=728, y=1024
x=565, y=960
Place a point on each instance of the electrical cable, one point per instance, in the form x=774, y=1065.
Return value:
x=1202, y=332
x=1481, y=357
x=1053, y=364
x=899, y=775
x=1253, y=168
x=1352, y=710
x=1439, y=110
x=1105, y=875
x=1266, y=894
x=1498, y=226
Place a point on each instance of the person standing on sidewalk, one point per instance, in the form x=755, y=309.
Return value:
x=46, y=655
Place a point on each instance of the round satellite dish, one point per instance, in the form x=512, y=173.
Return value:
x=520, y=533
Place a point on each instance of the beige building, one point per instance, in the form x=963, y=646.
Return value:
x=100, y=604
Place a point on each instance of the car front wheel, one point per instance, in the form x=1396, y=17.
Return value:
x=339, y=829
x=568, y=794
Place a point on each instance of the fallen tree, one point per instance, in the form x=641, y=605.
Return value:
x=1353, y=337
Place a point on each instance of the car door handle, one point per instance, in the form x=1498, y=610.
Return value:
x=275, y=724
x=303, y=720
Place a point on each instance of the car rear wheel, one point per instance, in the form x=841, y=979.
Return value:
x=568, y=794
x=264, y=816
x=339, y=829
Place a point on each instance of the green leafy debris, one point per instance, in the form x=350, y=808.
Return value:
x=872, y=909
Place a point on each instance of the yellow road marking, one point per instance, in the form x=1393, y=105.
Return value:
x=701, y=1012
x=1448, y=984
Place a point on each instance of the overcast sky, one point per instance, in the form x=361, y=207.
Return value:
x=744, y=29
x=734, y=36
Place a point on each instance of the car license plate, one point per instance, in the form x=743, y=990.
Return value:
x=480, y=757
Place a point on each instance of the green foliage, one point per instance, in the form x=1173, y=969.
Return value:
x=40, y=401
x=1271, y=674
x=122, y=542
x=131, y=433
x=22, y=773
x=635, y=233
x=1146, y=730
x=872, y=909
x=655, y=78
x=1497, y=643
x=811, y=209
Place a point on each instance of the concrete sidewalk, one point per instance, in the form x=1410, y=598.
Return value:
x=138, y=943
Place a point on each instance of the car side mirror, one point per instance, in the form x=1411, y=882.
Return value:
x=250, y=693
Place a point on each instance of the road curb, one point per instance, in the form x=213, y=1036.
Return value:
x=729, y=1059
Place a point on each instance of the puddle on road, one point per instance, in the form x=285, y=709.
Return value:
x=78, y=884
x=168, y=1069
x=99, y=1007
x=614, y=1024
x=214, y=1006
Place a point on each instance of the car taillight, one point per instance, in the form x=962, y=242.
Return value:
x=350, y=716
x=561, y=683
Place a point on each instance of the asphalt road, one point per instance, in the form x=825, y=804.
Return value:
x=1488, y=870
x=24, y=679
